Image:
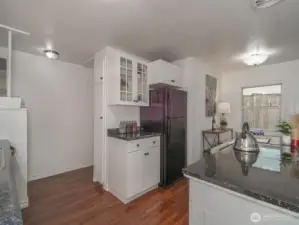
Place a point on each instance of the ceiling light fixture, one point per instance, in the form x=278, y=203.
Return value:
x=51, y=54
x=261, y=4
x=255, y=59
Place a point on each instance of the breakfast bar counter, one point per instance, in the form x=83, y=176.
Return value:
x=250, y=187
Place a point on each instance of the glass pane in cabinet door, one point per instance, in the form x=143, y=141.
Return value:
x=123, y=96
x=139, y=86
x=129, y=72
x=139, y=67
x=123, y=71
x=123, y=83
x=129, y=64
x=130, y=84
x=123, y=62
x=144, y=88
x=129, y=97
x=139, y=97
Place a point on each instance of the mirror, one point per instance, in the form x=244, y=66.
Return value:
x=3, y=89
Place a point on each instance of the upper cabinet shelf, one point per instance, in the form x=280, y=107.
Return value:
x=164, y=73
x=126, y=77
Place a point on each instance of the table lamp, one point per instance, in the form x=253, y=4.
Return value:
x=223, y=108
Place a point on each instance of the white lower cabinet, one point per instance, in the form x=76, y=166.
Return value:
x=133, y=167
x=213, y=205
x=134, y=173
x=151, y=167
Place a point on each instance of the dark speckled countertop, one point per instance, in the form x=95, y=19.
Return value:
x=267, y=178
x=131, y=136
x=10, y=212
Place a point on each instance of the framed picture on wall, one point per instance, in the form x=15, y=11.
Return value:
x=211, y=90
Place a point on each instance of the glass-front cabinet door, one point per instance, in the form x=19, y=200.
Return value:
x=126, y=79
x=142, y=87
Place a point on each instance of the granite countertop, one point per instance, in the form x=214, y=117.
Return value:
x=131, y=136
x=10, y=212
x=267, y=177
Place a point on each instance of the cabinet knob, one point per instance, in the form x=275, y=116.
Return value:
x=101, y=78
x=101, y=117
x=137, y=145
x=173, y=81
x=146, y=154
x=154, y=142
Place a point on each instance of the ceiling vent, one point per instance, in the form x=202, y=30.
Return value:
x=261, y=4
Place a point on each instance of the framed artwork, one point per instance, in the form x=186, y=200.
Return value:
x=211, y=90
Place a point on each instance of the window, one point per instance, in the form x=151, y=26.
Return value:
x=262, y=106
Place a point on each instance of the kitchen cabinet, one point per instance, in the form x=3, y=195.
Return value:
x=133, y=167
x=151, y=166
x=164, y=73
x=208, y=206
x=126, y=77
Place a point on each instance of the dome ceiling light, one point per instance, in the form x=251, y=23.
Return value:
x=51, y=54
x=262, y=4
x=255, y=59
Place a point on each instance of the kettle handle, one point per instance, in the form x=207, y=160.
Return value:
x=245, y=128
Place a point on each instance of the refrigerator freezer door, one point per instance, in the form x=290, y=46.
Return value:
x=176, y=103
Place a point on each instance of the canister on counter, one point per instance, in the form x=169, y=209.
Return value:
x=295, y=120
x=295, y=138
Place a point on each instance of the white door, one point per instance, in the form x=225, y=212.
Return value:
x=151, y=164
x=98, y=132
x=135, y=173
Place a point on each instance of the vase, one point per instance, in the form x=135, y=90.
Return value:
x=223, y=127
x=286, y=139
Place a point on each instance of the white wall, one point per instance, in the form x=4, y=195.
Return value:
x=285, y=73
x=59, y=98
x=194, y=75
x=115, y=114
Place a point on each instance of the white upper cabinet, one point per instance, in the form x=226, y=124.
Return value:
x=162, y=72
x=125, y=76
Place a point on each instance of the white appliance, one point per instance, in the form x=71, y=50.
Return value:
x=13, y=127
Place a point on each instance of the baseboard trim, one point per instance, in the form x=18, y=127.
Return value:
x=54, y=172
x=127, y=200
x=24, y=204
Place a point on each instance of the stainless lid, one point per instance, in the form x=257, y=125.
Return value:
x=246, y=141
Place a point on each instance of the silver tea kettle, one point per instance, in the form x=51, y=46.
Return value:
x=246, y=141
x=246, y=159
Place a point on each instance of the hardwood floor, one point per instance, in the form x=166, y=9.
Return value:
x=72, y=198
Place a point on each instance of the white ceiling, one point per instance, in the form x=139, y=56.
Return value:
x=214, y=30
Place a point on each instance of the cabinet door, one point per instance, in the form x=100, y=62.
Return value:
x=126, y=80
x=142, y=83
x=135, y=173
x=151, y=167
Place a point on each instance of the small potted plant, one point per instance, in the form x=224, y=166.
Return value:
x=286, y=129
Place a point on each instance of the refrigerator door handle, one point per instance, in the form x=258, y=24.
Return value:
x=169, y=112
x=168, y=131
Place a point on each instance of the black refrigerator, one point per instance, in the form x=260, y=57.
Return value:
x=167, y=114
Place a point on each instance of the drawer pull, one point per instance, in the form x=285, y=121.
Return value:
x=146, y=154
x=137, y=145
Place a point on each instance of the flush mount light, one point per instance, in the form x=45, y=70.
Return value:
x=261, y=4
x=51, y=54
x=255, y=59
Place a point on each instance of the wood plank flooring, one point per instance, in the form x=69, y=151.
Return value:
x=73, y=199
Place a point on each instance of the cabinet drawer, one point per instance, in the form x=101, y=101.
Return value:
x=143, y=143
